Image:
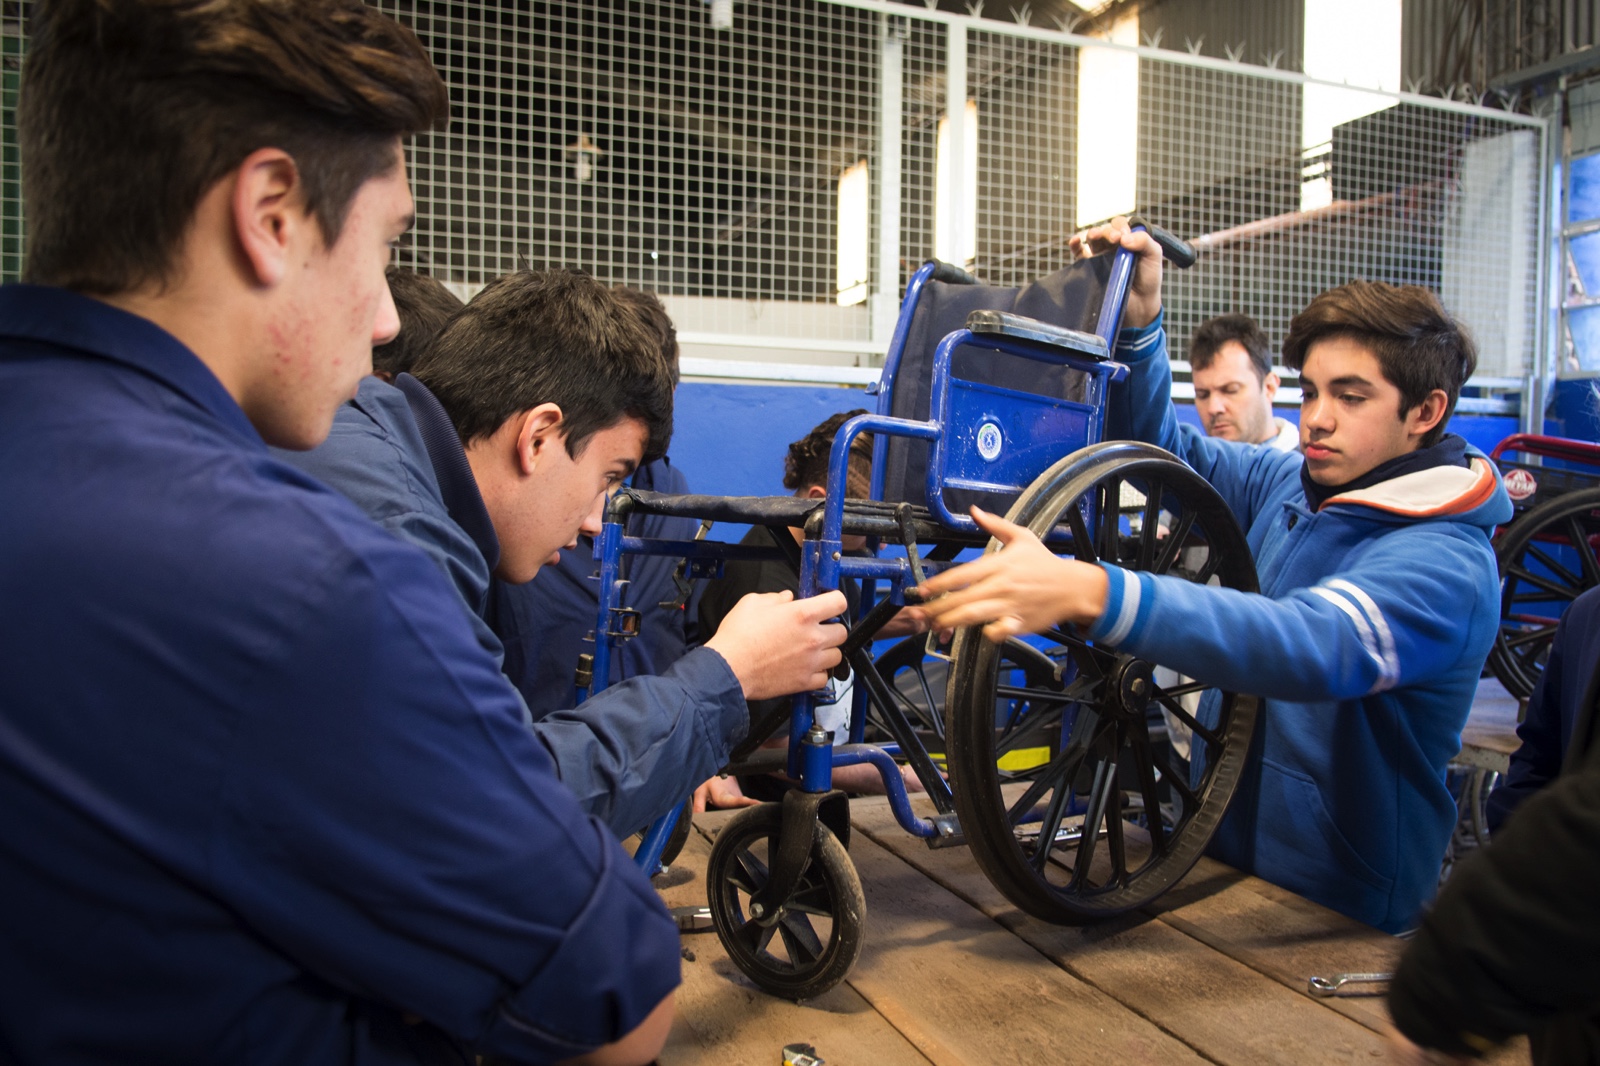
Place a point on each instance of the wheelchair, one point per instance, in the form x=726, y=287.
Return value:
x=1547, y=553
x=1065, y=781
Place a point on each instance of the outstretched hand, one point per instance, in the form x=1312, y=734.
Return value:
x=777, y=645
x=1022, y=588
x=1144, y=295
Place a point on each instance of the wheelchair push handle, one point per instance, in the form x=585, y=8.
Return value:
x=950, y=273
x=1179, y=252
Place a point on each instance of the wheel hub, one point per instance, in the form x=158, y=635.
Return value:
x=1132, y=686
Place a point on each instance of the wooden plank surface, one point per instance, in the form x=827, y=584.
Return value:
x=1214, y=1003
x=952, y=974
x=724, y=1019
x=1491, y=729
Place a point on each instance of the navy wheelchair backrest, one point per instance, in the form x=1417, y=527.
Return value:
x=1071, y=297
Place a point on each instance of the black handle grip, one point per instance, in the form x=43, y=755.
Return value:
x=1179, y=252
x=949, y=272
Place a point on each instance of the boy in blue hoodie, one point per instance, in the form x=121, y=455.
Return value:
x=1379, y=595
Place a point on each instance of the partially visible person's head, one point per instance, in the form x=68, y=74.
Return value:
x=558, y=392
x=805, y=467
x=238, y=157
x=1233, y=379
x=1381, y=367
x=423, y=306
x=648, y=306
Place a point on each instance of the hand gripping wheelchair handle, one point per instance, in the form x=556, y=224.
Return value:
x=1179, y=252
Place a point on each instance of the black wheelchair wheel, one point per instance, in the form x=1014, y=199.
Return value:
x=1054, y=725
x=810, y=944
x=1547, y=559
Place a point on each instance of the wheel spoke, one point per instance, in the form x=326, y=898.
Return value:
x=1187, y=689
x=754, y=937
x=1063, y=769
x=1146, y=768
x=1586, y=558
x=1151, y=525
x=799, y=939
x=1110, y=519
x=1174, y=543
x=1049, y=825
x=749, y=873
x=1082, y=545
x=1115, y=846
x=1523, y=574
x=1172, y=705
x=1561, y=572
x=1104, y=782
x=1527, y=636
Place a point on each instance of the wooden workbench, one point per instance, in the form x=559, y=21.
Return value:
x=1490, y=735
x=954, y=975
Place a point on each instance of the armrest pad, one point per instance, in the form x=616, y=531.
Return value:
x=1031, y=329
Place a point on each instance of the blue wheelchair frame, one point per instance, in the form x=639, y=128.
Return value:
x=981, y=437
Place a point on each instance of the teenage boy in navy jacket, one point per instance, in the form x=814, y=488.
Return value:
x=266, y=798
x=1378, y=601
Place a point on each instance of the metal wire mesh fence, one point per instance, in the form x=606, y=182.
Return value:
x=697, y=150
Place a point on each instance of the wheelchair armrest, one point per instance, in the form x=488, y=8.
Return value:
x=1030, y=329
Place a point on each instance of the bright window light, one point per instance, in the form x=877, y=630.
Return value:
x=1352, y=41
x=955, y=233
x=1108, y=126
x=854, y=189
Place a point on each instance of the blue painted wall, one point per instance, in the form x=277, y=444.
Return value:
x=731, y=439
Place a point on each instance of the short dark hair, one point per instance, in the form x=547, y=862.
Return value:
x=651, y=311
x=1213, y=333
x=1418, y=345
x=807, y=461
x=132, y=110
x=549, y=336
x=424, y=306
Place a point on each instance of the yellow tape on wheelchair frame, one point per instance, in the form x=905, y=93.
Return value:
x=1023, y=759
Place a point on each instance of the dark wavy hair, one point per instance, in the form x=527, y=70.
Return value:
x=1419, y=347
x=1213, y=333
x=550, y=336
x=807, y=461
x=132, y=110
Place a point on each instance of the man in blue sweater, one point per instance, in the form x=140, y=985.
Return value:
x=1378, y=601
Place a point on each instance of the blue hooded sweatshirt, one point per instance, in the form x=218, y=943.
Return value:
x=1375, y=615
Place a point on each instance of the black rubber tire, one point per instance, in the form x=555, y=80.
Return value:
x=1108, y=728
x=1531, y=574
x=829, y=890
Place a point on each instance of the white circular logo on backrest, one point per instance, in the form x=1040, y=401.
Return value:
x=989, y=441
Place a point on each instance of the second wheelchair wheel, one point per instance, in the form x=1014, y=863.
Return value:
x=1547, y=558
x=1048, y=763
x=809, y=944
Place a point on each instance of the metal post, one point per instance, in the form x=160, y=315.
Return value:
x=891, y=108
x=955, y=110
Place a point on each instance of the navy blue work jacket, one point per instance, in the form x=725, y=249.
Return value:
x=631, y=753
x=266, y=798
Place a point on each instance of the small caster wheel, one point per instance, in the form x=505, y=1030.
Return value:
x=813, y=939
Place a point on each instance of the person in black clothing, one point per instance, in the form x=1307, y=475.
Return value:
x=1513, y=944
x=805, y=474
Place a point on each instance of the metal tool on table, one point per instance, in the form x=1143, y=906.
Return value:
x=692, y=919
x=801, y=1055
x=1349, y=984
